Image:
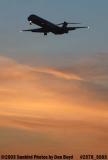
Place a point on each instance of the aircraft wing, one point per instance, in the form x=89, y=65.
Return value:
x=40, y=30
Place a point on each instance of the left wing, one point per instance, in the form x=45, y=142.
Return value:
x=40, y=30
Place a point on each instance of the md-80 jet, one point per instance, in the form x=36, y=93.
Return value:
x=47, y=27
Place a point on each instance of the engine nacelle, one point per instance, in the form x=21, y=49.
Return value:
x=65, y=25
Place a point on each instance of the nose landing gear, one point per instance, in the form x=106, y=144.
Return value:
x=45, y=33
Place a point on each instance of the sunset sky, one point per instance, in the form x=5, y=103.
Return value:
x=54, y=89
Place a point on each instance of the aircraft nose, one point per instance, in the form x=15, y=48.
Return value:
x=31, y=17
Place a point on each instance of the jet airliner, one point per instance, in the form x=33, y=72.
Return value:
x=47, y=27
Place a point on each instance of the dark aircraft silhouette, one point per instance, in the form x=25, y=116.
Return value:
x=47, y=26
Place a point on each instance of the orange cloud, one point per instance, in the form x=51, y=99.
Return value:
x=65, y=108
x=10, y=69
x=58, y=73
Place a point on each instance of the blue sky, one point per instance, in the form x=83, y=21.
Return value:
x=14, y=13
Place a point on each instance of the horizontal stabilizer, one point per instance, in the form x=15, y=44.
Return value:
x=74, y=28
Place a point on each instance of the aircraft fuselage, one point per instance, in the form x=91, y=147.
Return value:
x=46, y=25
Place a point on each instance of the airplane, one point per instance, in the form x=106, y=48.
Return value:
x=47, y=26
